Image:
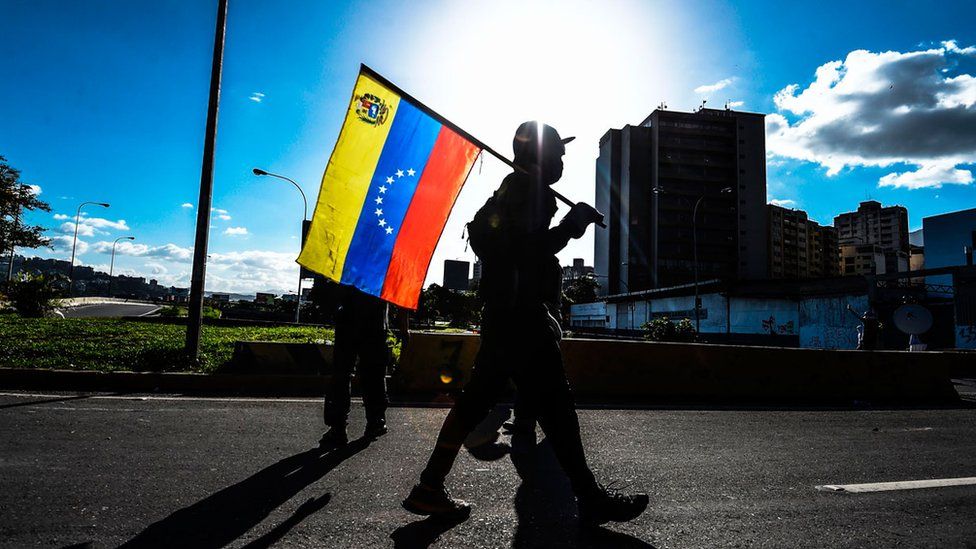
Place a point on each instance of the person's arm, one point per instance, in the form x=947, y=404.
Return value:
x=526, y=216
x=853, y=312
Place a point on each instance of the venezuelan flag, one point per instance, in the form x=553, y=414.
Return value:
x=387, y=191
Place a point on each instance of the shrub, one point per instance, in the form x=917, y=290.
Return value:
x=663, y=329
x=34, y=296
x=174, y=311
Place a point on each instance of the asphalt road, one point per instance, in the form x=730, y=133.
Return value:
x=106, y=310
x=86, y=471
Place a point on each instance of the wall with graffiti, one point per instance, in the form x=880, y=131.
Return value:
x=825, y=322
x=965, y=337
x=763, y=316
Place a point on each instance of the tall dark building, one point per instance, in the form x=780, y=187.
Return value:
x=456, y=274
x=873, y=224
x=799, y=247
x=649, y=179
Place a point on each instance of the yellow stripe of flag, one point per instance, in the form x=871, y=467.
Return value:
x=346, y=182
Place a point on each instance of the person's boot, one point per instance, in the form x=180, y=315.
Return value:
x=604, y=504
x=427, y=500
x=335, y=437
x=375, y=428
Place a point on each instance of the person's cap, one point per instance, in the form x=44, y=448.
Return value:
x=533, y=137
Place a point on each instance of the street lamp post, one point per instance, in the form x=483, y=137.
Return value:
x=694, y=238
x=74, y=244
x=259, y=172
x=111, y=267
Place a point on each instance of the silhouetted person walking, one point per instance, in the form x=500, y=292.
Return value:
x=519, y=335
x=361, y=327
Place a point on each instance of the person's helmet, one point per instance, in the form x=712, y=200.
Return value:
x=535, y=141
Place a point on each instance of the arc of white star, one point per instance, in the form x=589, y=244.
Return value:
x=389, y=230
x=382, y=189
x=389, y=179
x=410, y=172
x=379, y=199
x=399, y=173
x=379, y=211
x=382, y=222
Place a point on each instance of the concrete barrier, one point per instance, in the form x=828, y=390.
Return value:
x=599, y=371
x=647, y=371
x=70, y=302
x=266, y=357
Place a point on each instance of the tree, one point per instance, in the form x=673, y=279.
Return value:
x=580, y=290
x=16, y=197
x=583, y=289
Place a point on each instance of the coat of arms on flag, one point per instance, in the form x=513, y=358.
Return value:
x=387, y=191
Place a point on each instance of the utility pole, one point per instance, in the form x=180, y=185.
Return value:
x=194, y=319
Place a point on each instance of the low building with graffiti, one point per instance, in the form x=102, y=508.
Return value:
x=813, y=313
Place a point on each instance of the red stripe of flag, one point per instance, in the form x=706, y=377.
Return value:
x=450, y=161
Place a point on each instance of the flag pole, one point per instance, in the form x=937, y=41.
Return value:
x=436, y=116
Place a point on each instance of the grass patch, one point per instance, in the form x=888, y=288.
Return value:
x=114, y=344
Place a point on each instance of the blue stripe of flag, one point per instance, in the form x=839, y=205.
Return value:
x=408, y=146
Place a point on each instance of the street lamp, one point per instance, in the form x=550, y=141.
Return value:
x=74, y=244
x=111, y=266
x=259, y=172
x=694, y=238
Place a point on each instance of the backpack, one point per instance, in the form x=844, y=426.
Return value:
x=486, y=232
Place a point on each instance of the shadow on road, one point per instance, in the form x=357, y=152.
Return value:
x=422, y=533
x=544, y=504
x=483, y=443
x=546, y=507
x=226, y=515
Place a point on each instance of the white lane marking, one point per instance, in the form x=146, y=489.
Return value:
x=151, y=311
x=164, y=398
x=900, y=485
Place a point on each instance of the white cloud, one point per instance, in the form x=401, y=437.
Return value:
x=169, y=252
x=926, y=174
x=952, y=46
x=187, y=205
x=882, y=110
x=709, y=88
x=157, y=268
x=62, y=243
x=221, y=214
x=100, y=223
x=252, y=271
x=88, y=226
x=783, y=203
x=35, y=189
x=83, y=230
x=235, y=231
x=257, y=97
x=735, y=104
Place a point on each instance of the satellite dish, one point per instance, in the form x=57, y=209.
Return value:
x=912, y=319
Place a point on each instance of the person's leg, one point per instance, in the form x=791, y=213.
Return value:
x=374, y=357
x=542, y=385
x=336, y=409
x=544, y=380
x=472, y=406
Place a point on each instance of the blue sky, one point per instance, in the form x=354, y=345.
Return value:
x=106, y=101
